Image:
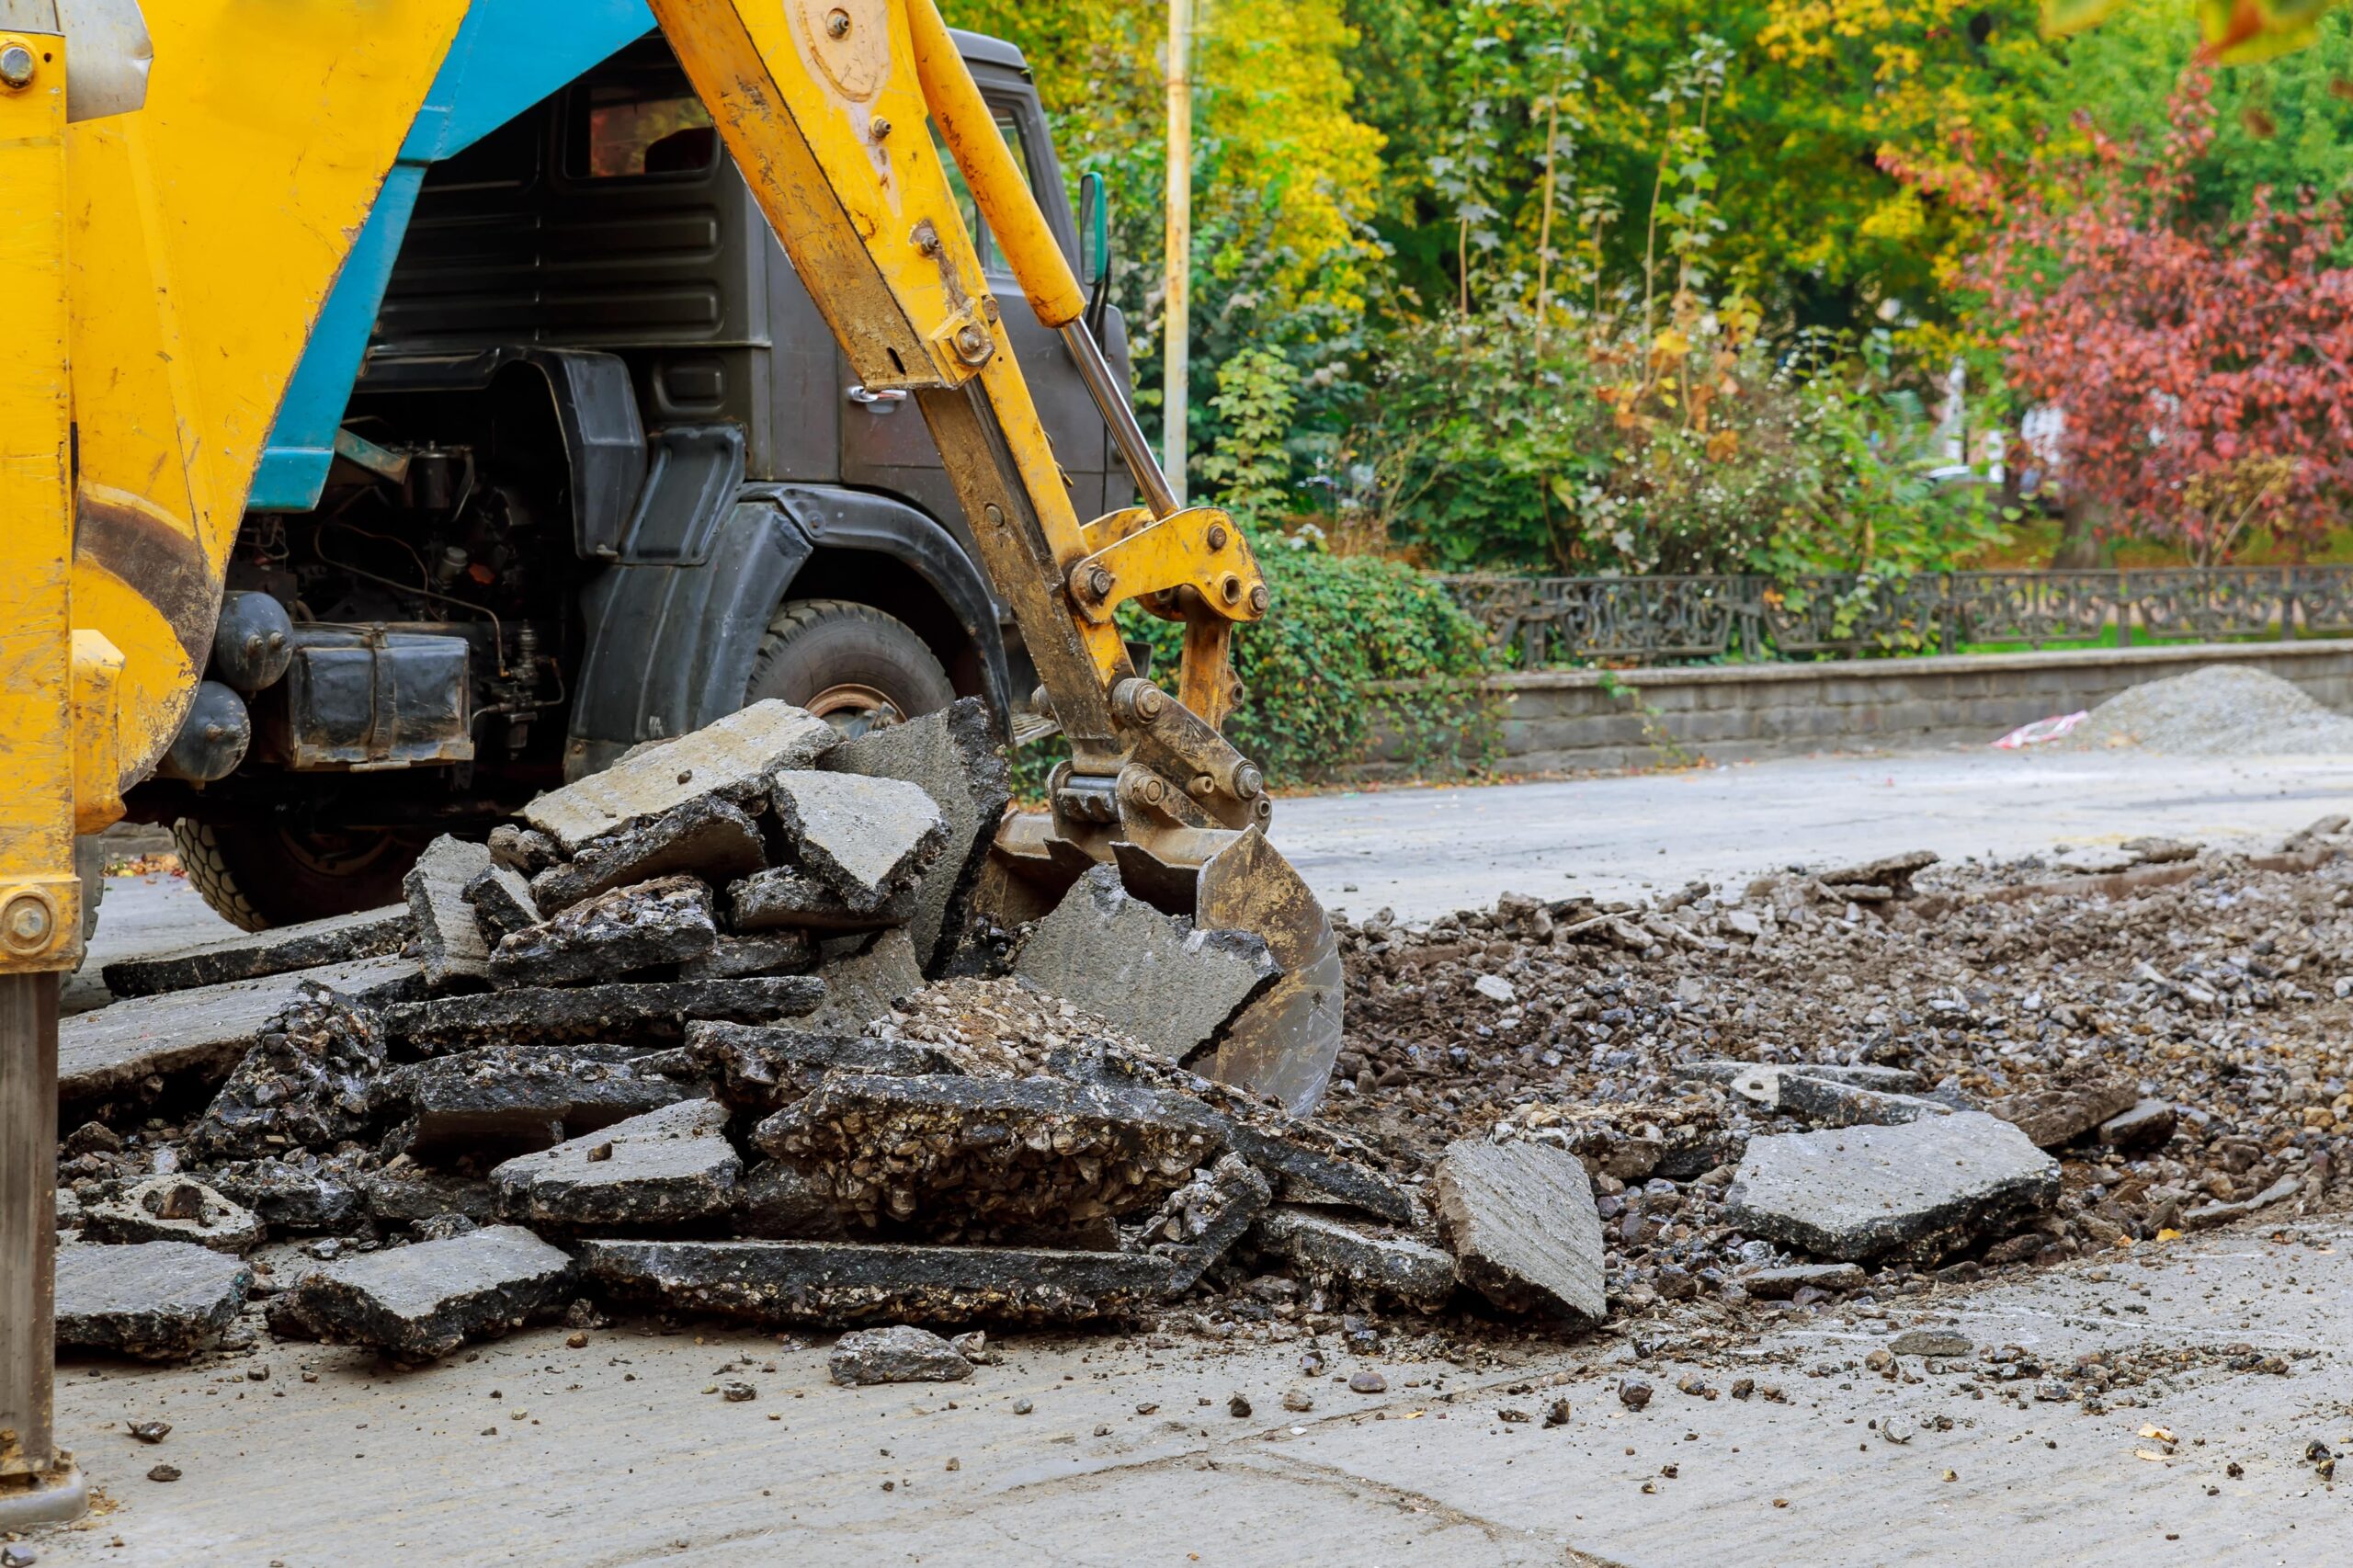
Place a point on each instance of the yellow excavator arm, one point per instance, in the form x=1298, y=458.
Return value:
x=167, y=240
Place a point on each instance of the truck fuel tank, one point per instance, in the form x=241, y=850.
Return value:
x=366, y=697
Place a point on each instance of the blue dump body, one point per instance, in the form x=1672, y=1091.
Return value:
x=507, y=56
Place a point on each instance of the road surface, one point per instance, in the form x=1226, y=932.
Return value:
x=1430, y=852
x=531, y=1453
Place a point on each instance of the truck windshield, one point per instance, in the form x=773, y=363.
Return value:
x=624, y=129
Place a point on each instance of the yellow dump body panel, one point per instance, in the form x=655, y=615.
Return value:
x=205, y=233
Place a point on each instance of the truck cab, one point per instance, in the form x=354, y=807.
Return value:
x=593, y=471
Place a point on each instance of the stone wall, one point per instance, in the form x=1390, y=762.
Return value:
x=1565, y=720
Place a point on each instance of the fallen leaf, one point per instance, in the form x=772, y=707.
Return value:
x=2148, y=1454
x=2168, y=1234
x=2159, y=1433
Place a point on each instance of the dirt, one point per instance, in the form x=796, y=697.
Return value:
x=2221, y=992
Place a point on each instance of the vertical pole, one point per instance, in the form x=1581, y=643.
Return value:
x=39, y=895
x=28, y=1219
x=1177, y=294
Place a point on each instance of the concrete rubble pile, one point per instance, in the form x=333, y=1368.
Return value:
x=1866, y=1080
x=718, y=1031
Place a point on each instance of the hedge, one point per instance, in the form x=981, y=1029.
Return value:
x=1317, y=672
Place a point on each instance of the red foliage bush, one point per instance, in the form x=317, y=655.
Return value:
x=2204, y=367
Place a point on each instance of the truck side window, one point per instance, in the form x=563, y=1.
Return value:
x=623, y=128
x=1009, y=128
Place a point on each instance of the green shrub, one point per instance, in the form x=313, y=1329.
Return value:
x=1340, y=628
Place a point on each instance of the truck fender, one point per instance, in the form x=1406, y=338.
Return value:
x=836, y=519
x=671, y=638
x=670, y=645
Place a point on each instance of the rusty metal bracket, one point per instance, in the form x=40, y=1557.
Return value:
x=1135, y=555
x=1226, y=786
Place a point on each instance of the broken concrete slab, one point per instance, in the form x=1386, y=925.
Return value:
x=864, y=985
x=742, y=958
x=448, y=937
x=781, y=1202
x=1914, y=1192
x=612, y=935
x=197, y=1036
x=619, y=1013
x=526, y=850
x=833, y=1283
x=766, y=1069
x=731, y=759
x=311, y=1198
x=153, y=1300
x=507, y=1099
x=502, y=903
x=667, y=1167
x=407, y=1194
x=869, y=839
x=1780, y=1284
x=2056, y=1115
x=947, y=1155
x=305, y=1084
x=2206, y=1216
x=1760, y=1083
x=1330, y=1252
x=420, y=1301
x=1202, y=1219
x=1153, y=976
x=1894, y=872
x=1305, y=1160
x=787, y=897
x=712, y=838
x=900, y=1354
x=2148, y=1125
x=1945, y=1343
x=954, y=758
x=371, y=933
x=1304, y=1173
x=1520, y=1221
x=1823, y=1103
x=172, y=1208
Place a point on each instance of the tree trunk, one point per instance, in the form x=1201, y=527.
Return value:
x=2078, y=548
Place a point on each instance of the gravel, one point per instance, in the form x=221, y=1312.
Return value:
x=2220, y=710
x=2217, y=994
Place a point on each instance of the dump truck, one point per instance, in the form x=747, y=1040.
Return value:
x=373, y=454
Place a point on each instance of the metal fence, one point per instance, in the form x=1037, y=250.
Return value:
x=1560, y=621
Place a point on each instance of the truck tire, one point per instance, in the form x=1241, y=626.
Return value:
x=850, y=663
x=255, y=877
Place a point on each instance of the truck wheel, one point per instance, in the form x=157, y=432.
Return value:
x=255, y=877
x=848, y=664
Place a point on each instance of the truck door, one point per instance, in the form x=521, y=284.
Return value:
x=884, y=444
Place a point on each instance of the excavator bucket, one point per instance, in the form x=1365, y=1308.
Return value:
x=1279, y=1046
x=1284, y=1042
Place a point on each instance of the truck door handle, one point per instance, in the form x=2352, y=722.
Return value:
x=884, y=401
